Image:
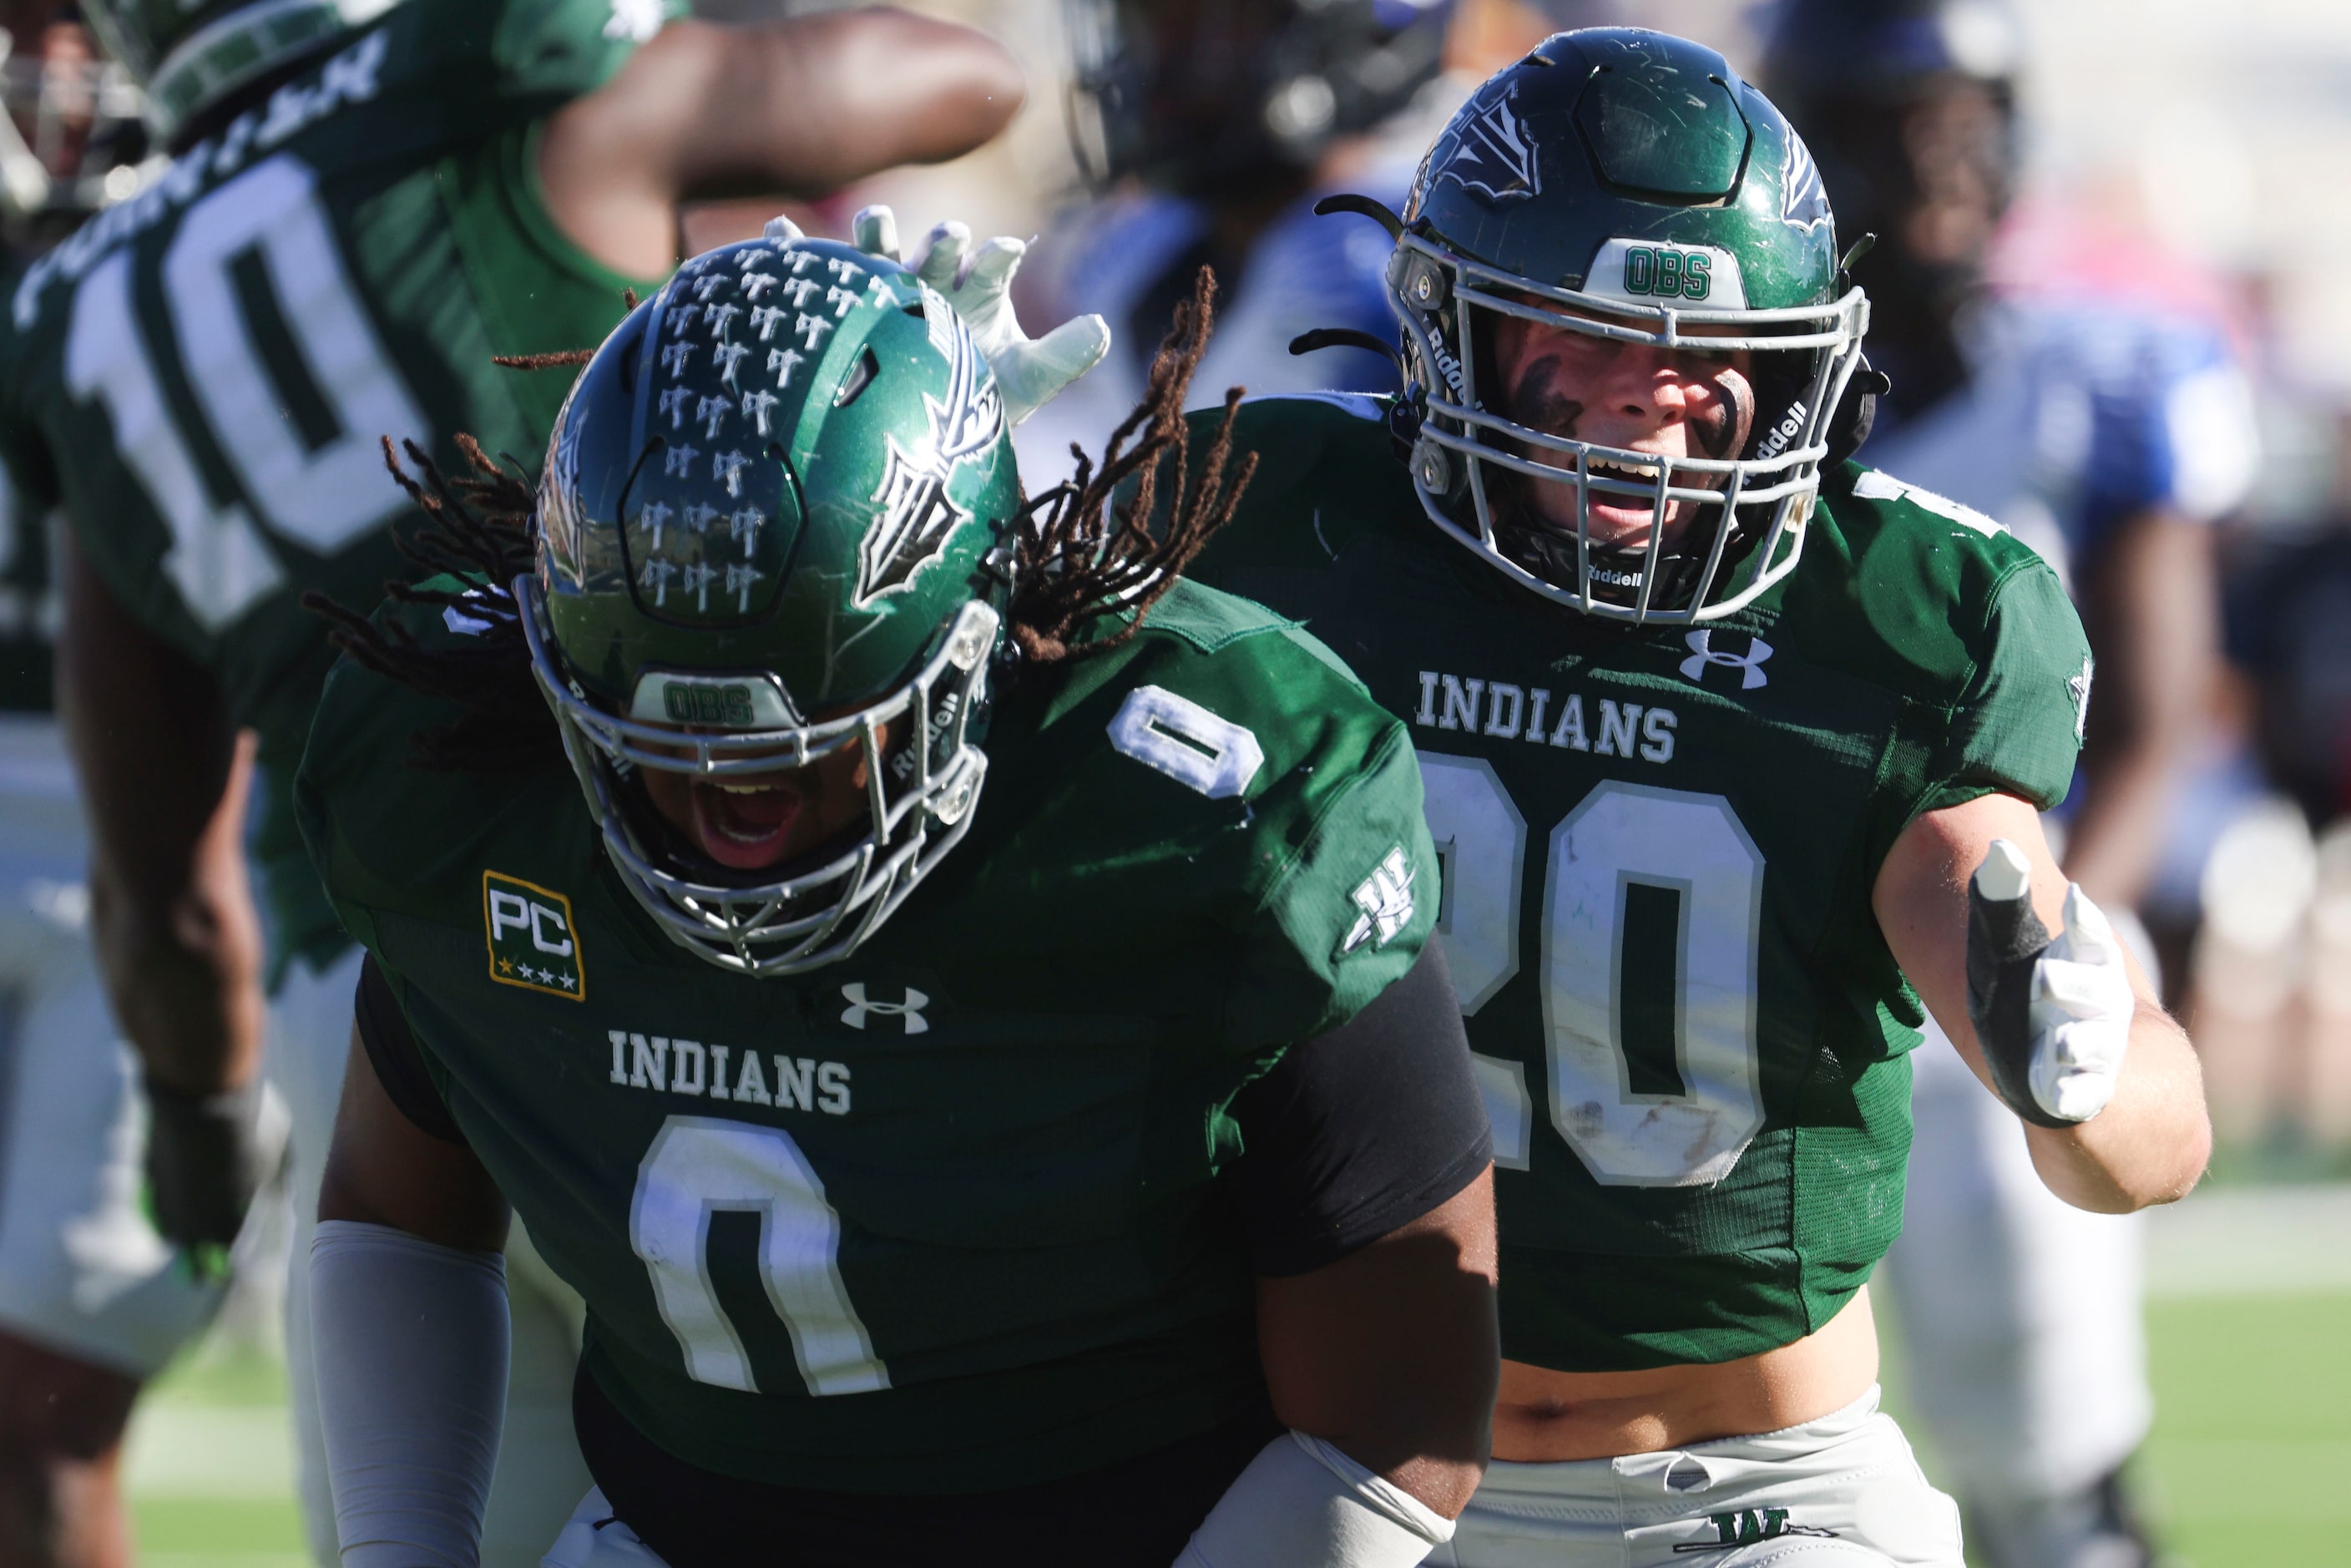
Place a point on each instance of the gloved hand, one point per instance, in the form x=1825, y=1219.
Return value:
x=1030, y=371
x=206, y=1156
x=2054, y=1018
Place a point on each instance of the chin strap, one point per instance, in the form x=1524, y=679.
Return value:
x=1856, y=413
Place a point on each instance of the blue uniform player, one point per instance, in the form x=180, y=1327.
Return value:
x=1214, y=129
x=2101, y=418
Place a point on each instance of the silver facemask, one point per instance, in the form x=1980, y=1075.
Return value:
x=1760, y=504
x=920, y=798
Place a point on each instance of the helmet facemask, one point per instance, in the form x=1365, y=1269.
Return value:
x=1741, y=516
x=818, y=908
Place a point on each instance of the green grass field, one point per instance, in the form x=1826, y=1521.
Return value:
x=2248, y=1331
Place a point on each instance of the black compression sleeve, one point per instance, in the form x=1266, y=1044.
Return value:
x=392, y=1051
x=1361, y=1130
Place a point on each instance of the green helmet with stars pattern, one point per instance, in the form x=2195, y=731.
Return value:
x=765, y=530
x=1624, y=184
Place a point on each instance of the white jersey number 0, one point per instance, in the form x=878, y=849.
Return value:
x=701, y=1165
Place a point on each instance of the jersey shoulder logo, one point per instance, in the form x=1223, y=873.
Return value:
x=533, y=940
x=1386, y=901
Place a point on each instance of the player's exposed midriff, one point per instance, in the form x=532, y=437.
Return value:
x=1546, y=1417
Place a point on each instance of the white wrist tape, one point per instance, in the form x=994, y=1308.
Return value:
x=1301, y=1503
x=412, y=1368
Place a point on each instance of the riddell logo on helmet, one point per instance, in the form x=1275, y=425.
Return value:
x=1781, y=433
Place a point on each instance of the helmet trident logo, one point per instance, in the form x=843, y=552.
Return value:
x=917, y=514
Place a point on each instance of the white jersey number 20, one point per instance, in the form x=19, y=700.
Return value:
x=1652, y=926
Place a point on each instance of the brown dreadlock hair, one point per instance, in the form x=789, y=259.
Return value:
x=477, y=527
x=1080, y=555
x=1092, y=557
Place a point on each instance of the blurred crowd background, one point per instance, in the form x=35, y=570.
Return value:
x=2186, y=156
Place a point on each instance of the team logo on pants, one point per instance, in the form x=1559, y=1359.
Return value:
x=1746, y=1526
x=533, y=942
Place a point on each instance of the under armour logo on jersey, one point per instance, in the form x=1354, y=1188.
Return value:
x=1385, y=899
x=909, y=1012
x=1748, y=664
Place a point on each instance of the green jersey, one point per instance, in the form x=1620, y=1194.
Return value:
x=940, y=1217
x=204, y=374
x=1659, y=847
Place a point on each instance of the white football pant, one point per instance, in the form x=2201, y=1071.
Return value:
x=594, y=1538
x=1843, y=1492
x=82, y=1271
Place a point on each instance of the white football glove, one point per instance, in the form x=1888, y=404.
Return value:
x=2081, y=1010
x=1030, y=371
x=2053, y=1016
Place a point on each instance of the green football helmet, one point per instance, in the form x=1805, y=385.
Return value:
x=768, y=533
x=188, y=54
x=1628, y=185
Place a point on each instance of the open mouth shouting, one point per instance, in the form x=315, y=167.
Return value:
x=743, y=827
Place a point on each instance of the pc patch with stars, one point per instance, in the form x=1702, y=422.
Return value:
x=532, y=941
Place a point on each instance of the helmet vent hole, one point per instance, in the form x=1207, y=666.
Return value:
x=861, y=376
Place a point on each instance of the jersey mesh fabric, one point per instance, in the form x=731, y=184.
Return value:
x=204, y=373
x=942, y=1217
x=1659, y=851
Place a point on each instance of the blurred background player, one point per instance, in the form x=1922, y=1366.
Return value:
x=356, y=219
x=93, y=1301
x=2109, y=426
x=1208, y=130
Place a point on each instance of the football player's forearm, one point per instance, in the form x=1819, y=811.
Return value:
x=1393, y=1354
x=183, y=974
x=2115, y=840
x=797, y=107
x=165, y=778
x=2150, y=1145
x=806, y=107
x=2153, y=608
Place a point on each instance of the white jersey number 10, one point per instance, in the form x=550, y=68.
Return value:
x=261, y=235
